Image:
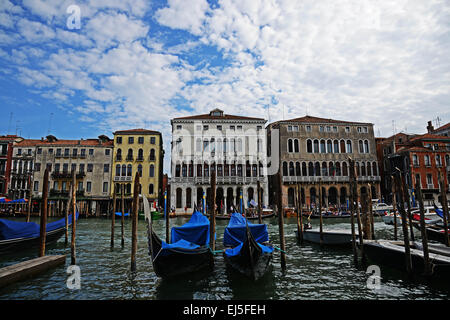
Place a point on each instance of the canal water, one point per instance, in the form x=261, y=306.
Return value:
x=312, y=272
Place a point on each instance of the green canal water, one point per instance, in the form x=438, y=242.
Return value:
x=312, y=272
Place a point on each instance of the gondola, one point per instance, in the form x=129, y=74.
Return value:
x=16, y=236
x=328, y=216
x=434, y=231
x=254, y=217
x=335, y=237
x=247, y=248
x=189, y=251
x=392, y=253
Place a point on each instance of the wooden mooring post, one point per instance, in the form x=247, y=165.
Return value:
x=113, y=217
x=394, y=206
x=212, y=213
x=258, y=188
x=73, y=258
x=406, y=199
x=43, y=222
x=66, y=217
x=320, y=213
x=134, y=222
x=352, y=209
x=122, y=218
x=372, y=222
x=444, y=204
x=30, y=198
x=281, y=223
x=408, y=261
x=299, y=214
x=426, y=256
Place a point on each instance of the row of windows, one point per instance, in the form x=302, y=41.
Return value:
x=140, y=155
x=227, y=145
x=218, y=127
x=225, y=170
x=328, y=146
x=140, y=140
x=73, y=167
x=127, y=188
x=65, y=186
x=308, y=128
x=427, y=160
x=328, y=169
x=127, y=170
x=67, y=152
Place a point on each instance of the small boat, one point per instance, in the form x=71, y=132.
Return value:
x=392, y=253
x=247, y=247
x=335, y=237
x=188, y=251
x=119, y=214
x=434, y=232
x=16, y=236
x=264, y=215
x=329, y=215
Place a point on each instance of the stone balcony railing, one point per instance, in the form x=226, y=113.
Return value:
x=219, y=180
x=316, y=179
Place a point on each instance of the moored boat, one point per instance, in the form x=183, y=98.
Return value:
x=16, y=236
x=188, y=251
x=335, y=237
x=248, y=250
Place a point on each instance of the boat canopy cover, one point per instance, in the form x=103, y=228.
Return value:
x=14, y=229
x=196, y=230
x=235, y=232
x=237, y=250
x=439, y=212
x=180, y=244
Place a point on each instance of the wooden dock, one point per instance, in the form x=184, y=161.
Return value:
x=29, y=268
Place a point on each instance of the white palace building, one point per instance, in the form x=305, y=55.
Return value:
x=232, y=146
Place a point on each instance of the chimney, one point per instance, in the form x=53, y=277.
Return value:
x=430, y=128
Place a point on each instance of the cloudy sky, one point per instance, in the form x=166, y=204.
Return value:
x=136, y=63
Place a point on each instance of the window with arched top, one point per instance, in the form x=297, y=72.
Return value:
x=309, y=147
x=130, y=154
x=117, y=170
x=329, y=146
x=361, y=147
x=150, y=188
x=290, y=146
x=285, y=169
x=140, y=155
x=296, y=146
x=291, y=169
x=316, y=146
x=349, y=146
x=298, y=171
x=152, y=155
x=124, y=170
x=152, y=170
x=139, y=169
x=366, y=146
x=322, y=146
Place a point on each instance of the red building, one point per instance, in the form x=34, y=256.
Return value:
x=423, y=157
x=6, y=151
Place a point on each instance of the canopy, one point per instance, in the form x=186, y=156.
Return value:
x=14, y=229
x=196, y=230
x=183, y=244
x=235, y=232
x=237, y=250
x=5, y=200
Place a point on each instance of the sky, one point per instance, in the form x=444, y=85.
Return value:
x=79, y=69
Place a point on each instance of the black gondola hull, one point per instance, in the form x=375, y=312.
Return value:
x=169, y=263
x=20, y=244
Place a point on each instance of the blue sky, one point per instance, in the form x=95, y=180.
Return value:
x=139, y=63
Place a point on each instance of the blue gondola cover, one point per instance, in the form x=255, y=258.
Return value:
x=235, y=232
x=14, y=229
x=196, y=230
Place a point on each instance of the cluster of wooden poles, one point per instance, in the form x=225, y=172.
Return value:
x=44, y=214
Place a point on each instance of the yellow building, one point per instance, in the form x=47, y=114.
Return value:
x=138, y=150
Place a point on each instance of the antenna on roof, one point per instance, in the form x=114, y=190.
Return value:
x=437, y=121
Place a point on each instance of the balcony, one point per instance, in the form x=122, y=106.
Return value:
x=58, y=193
x=123, y=179
x=129, y=158
x=335, y=179
x=67, y=175
x=140, y=159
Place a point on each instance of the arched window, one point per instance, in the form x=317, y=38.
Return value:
x=322, y=146
x=254, y=170
x=349, y=146
x=309, y=147
x=363, y=169
x=139, y=169
x=298, y=171
x=152, y=155
x=150, y=188
x=344, y=169
x=358, y=173
x=366, y=146
x=119, y=155
x=124, y=170
x=361, y=147
x=212, y=145
x=199, y=145
x=177, y=170
x=338, y=169
x=342, y=143
x=239, y=170
x=179, y=196
x=285, y=169
x=206, y=170
x=296, y=146
x=291, y=169
x=205, y=145
x=369, y=169
x=130, y=154
x=219, y=170
x=152, y=170
x=128, y=191
x=233, y=170
x=184, y=170
x=129, y=170
x=329, y=146
x=225, y=141
x=324, y=169
x=336, y=146
x=199, y=170
x=374, y=169
x=310, y=169
x=140, y=155
x=316, y=146
x=117, y=170
x=290, y=146
x=304, y=170
x=188, y=198
x=317, y=169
